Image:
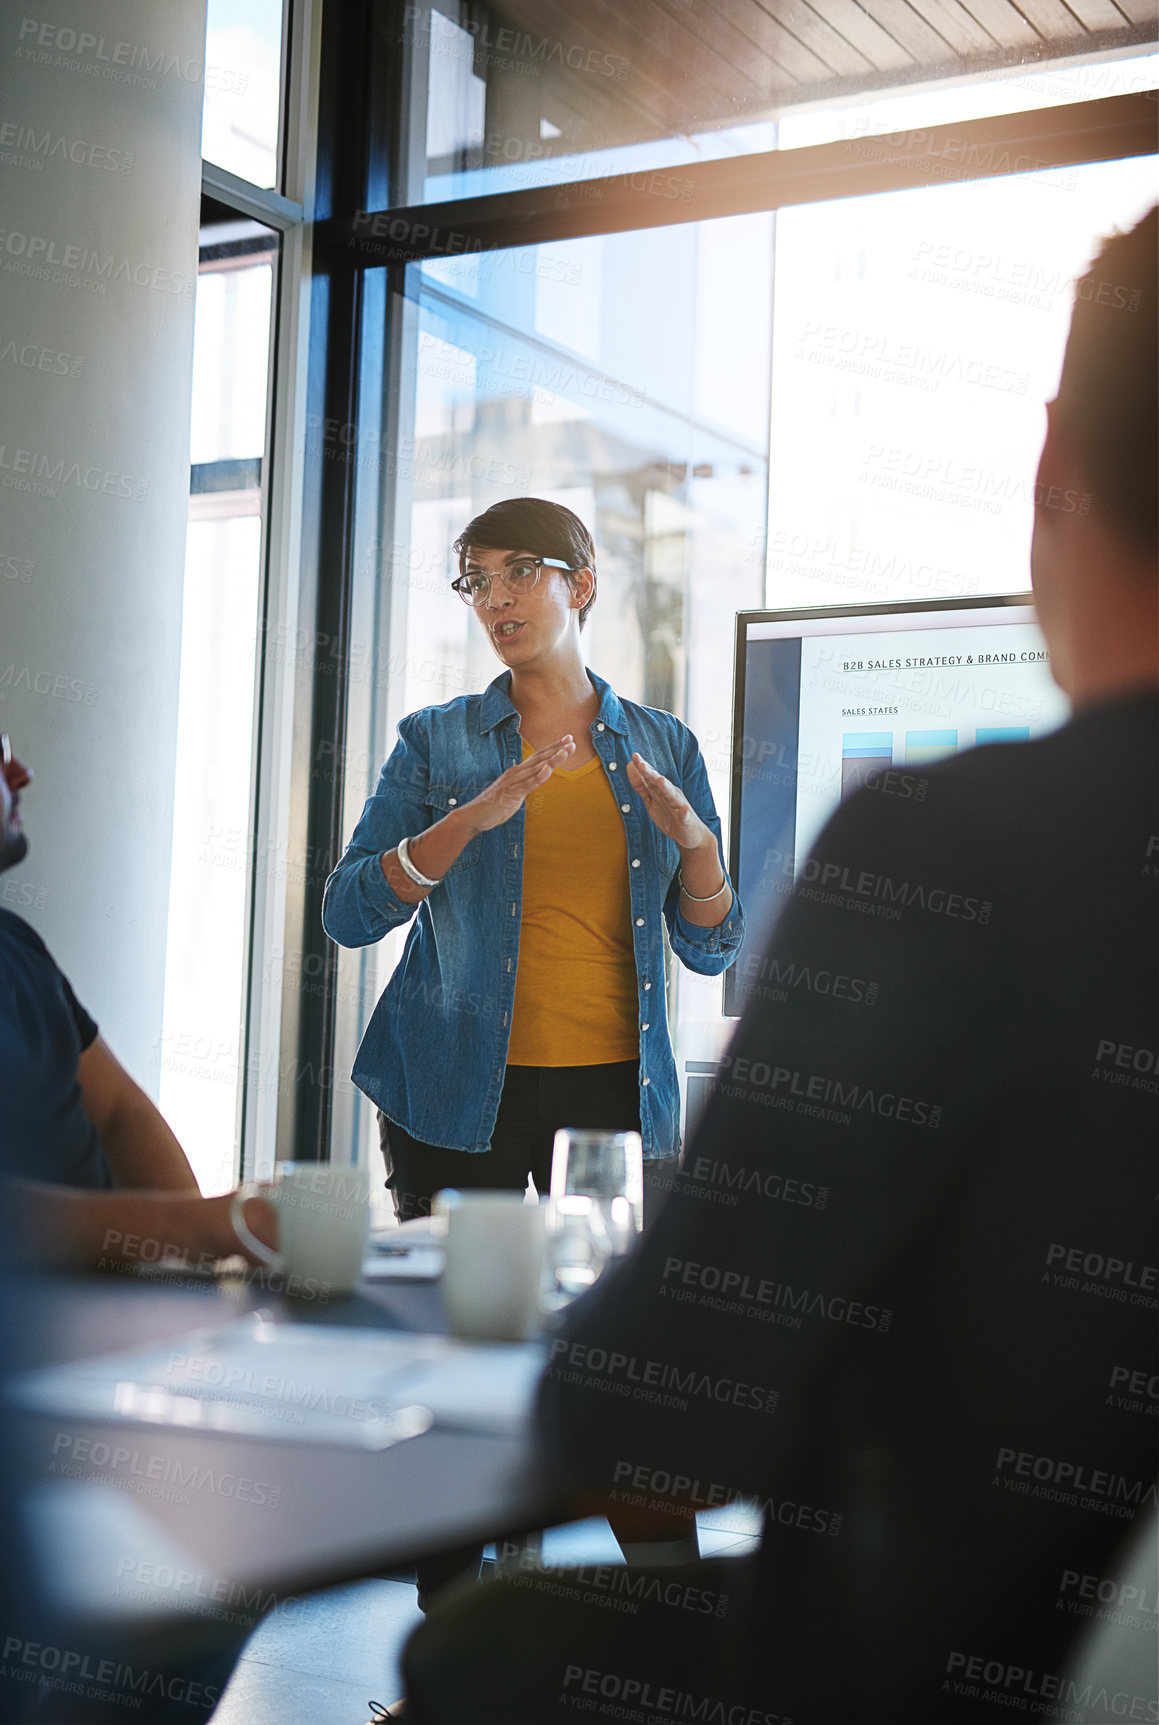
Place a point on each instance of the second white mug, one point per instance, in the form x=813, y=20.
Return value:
x=494, y=1263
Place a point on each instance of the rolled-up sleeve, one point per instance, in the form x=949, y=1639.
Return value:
x=708, y=951
x=358, y=905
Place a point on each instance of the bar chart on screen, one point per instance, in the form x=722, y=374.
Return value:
x=922, y=747
x=865, y=754
x=899, y=702
x=839, y=703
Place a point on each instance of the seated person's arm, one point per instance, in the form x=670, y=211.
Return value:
x=139, y=1147
x=157, y=1211
x=69, y=1228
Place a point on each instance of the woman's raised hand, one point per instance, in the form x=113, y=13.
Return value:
x=668, y=807
x=511, y=789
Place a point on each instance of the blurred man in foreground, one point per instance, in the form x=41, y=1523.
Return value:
x=961, y=1339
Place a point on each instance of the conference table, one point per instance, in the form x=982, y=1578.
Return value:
x=132, y=1523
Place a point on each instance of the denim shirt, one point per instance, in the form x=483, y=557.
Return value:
x=435, y=1050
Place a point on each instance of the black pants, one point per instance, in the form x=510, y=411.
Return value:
x=536, y=1102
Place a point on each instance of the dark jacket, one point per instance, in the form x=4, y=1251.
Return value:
x=919, y=1217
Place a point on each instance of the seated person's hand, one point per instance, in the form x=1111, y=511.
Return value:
x=261, y=1219
x=118, y=1230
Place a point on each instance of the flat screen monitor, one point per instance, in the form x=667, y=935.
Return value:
x=828, y=700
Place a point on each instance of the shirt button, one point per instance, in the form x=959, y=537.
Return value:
x=635, y=862
x=611, y=766
x=452, y=802
x=627, y=808
x=645, y=1027
x=647, y=986
x=645, y=1081
x=599, y=727
x=640, y=924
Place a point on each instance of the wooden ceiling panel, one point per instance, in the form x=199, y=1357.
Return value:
x=952, y=21
x=924, y=45
x=644, y=29
x=697, y=65
x=714, y=25
x=1005, y=23
x=855, y=24
x=1053, y=21
x=827, y=43
x=595, y=112
x=753, y=23
x=1144, y=13
x=667, y=78
x=695, y=79
x=1098, y=14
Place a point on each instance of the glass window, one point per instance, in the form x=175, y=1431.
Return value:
x=243, y=80
x=626, y=377
x=917, y=336
x=546, y=370
x=207, y=948
x=517, y=96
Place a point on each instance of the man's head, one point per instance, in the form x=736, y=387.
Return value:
x=532, y=524
x=1096, y=529
x=14, y=775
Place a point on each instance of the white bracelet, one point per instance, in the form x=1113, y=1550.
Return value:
x=409, y=869
x=692, y=896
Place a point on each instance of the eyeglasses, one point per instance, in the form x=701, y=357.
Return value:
x=474, y=588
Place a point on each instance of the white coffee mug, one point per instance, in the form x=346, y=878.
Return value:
x=494, y=1262
x=323, y=1226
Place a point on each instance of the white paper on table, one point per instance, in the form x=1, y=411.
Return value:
x=307, y=1383
x=395, y=1264
x=481, y=1386
x=414, y=1252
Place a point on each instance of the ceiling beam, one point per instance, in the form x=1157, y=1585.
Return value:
x=1041, y=141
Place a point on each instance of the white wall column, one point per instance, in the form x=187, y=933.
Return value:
x=100, y=170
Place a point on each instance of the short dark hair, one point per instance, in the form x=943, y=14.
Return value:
x=532, y=524
x=1108, y=392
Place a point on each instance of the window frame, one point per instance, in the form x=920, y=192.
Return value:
x=288, y=210
x=370, y=232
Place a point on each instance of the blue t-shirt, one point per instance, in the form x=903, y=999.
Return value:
x=45, y=1133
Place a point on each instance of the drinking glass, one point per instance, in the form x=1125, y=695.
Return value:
x=596, y=1208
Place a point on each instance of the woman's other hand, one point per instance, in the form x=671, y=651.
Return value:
x=668, y=807
x=507, y=794
x=706, y=897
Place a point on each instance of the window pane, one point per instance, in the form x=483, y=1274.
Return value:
x=917, y=336
x=206, y=957
x=517, y=96
x=243, y=83
x=549, y=371
x=626, y=377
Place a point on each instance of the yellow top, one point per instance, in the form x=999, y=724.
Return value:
x=575, y=988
